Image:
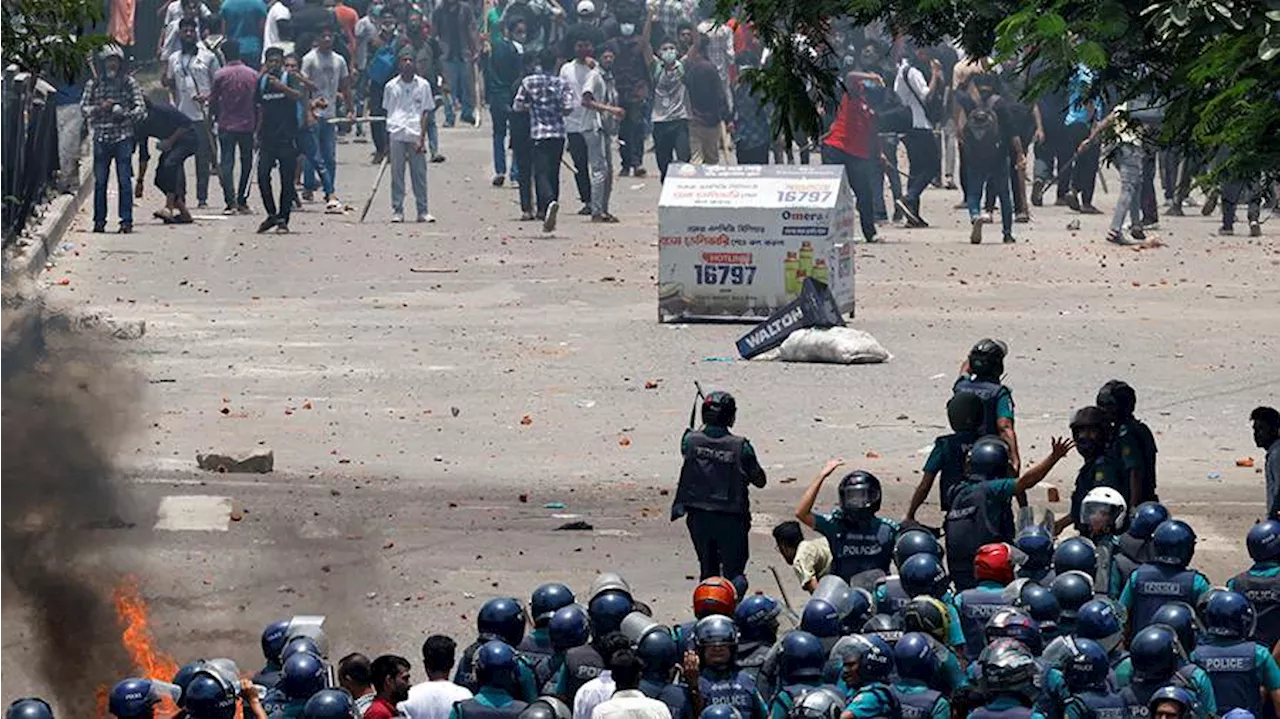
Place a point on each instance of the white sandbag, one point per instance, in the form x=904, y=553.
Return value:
x=836, y=345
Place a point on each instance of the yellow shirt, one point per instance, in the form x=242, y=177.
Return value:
x=813, y=559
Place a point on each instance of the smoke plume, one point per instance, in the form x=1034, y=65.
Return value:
x=67, y=404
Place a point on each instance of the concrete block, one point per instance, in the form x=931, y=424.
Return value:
x=259, y=461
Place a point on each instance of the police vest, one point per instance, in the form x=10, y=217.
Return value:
x=972, y=522
x=895, y=597
x=1138, y=694
x=915, y=704
x=1154, y=585
x=464, y=675
x=544, y=672
x=767, y=676
x=1010, y=713
x=1050, y=701
x=954, y=449
x=976, y=607
x=861, y=546
x=581, y=665
x=1264, y=593
x=1130, y=553
x=533, y=649
x=737, y=690
x=473, y=709
x=673, y=696
x=712, y=478
x=989, y=393
x=1232, y=670
x=1101, y=705
x=1044, y=577
x=751, y=656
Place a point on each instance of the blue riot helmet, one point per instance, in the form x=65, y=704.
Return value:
x=607, y=610
x=915, y=658
x=986, y=359
x=1009, y=623
x=1076, y=553
x=183, y=677
x=1229, y=615
x=757, y=618
x=720, y=711
x=329, y=704
x=546, y=600
x=923, y=574
x=1040, y=604
x=273, y=638
x=1263, y=541
x=1146, y=517
x=659, y=653
x=820, y=618
x=1182, y=618
x=874, y=656
x=134, y=697
x=912, y=542
x=860, y=607
x=1071, y=590
x=299, y=645
x=209, y=695
x=800, y=657
x=1100, y=620
x=988, y=459
x=1173, y=544
x=303, y=674
x=1086, y=665
x=1155, y=652
x=1037, y=544
x=495, y=664
x=501, y=618
x=569, y=627
x=1182, y=697
x=29, y=708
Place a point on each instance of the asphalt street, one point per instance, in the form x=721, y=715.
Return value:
x=439, y=398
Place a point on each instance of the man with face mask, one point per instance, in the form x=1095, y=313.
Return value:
x=390, y=675
x=633, y=79
x=670, y=109
x=599, y=127
x=861, y=542
x=188, y=74
x=112, y=103
x=1092, y=433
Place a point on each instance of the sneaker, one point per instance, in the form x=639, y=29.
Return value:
x=1150, y=224
x=244, y=210
x=527, y=217
x=1226, y=231
x=126, y=228
x=549, y=224
x=987, y=217
x=585, y=211
x=1089, y=210
x=202, y=205
x=229, y=210
x=427, y=217
x=397, y=217
x=1137, y=233
x=624, y=172
x=1117, y=238
x=1255, y=229
x=1022, y=218
x=437, y=158
x=1037, y=193
x=470, y=120
x=499, y=180
x=267, y=224
x=333, y=206
x=975, y=234
x=897, y=215
x=640, y=172
x=309, y=195
x=873, y=239
x=912, y=218
x=1175, y=211
x=1008, y=239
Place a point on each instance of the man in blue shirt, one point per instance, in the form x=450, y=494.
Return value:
x=243, y=21
x=1083, y=111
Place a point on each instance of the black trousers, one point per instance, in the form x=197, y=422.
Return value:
x=668, y=138
x=284, y=154
x=581, y=168
x=546, y=171
x=1084, y=173
x=522, y=149
x=377, y=129
x=720, y=540
x=753, y=155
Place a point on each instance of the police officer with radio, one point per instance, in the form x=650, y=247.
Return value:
x=712, y=494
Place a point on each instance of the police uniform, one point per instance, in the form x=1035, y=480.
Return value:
x=1050, y=686
x=1005, y=707
x=976, y=518
x=873, y=700
x=997, y=400
x=752, y=656
x=1236, y=670
x=581, y=665
x=713, y=494
x=1102, y=471
x=785, y=699
x=1094, y=704
x=674, y=696
x=1261, y=585
x=1151, y=586
x=975, y=607
x=889, y=595
x=1131, y=552
x=488, y=703
x=523, y=685
x=536, y=645
x=1137, y=694
x=857, y=545
x=734, y=688
x=946, y=461
x=1134, y=447
x=918, y=701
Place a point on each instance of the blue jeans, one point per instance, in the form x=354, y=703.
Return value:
x=321, y=156
x=457, y=73
x=996, y=178
x=858, y=171
x=104, y=153
x=498, y=115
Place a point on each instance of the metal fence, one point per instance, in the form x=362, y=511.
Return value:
x=30, y=148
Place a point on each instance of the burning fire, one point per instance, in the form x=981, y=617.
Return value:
x=133, y=614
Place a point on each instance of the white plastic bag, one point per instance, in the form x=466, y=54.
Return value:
x=835, y=345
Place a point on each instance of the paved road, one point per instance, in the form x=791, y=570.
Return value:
x=389, y=510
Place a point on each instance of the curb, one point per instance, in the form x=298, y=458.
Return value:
x=28, y=255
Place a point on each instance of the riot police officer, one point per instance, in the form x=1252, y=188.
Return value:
x=496, y=665
x=329, y=704
x=889, y=595
x=712, y=493
x=1261, y=582
x=1158, y=661
x=584, y=663
x=1236, y=664
x=868, y=668
x=711, y=675
x=1098, y=620
x=861, y=542
x=993, y=568
x=660, y=655
x=569, y=627
x=544, y=603
x=1036, y=544
x=800, y=659
x=29, y=708
x=1072, y=590
x=1166, y=578
x=916, y=659
x=273, y=638
x=1133, y=446
x=1009, y=674
x=135, y=698
x=1092, y=434
x=499, y=619
x=1086, y=671
x=757, y=620
x=1134, y=546
x=981, y=376
x=946, y=460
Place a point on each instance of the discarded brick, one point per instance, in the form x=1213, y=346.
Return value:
x=259, y=461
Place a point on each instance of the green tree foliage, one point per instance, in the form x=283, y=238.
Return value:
x=1212, y=65
x=48, y=36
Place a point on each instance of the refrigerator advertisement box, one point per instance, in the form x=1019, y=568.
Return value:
x=736, y=242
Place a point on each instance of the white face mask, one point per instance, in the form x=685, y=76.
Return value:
x=627, y=29
x=668, y=55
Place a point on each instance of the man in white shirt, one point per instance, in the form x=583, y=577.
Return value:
x=434, y=698
x=592, y=694
x=628, y=702
x=278, y=11
x=922, y=152
x=188, y=74
x=408, y=102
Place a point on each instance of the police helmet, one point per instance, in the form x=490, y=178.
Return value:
x=719, y=409
x=986, y=359
x=1146, y=517
x=874, y=657
x=1100, y=620
x=1182, y=618
x=923, y=574
x=912, y=542
x=547, y=707
x=299, y=645
x=29, y=708
x=183, y=676
x=1104, y=510
x=714, y=595
x=546, y=600
x=1076, y=553
x=1088, y=417
x=1182, y=697
x=820, y=618
x=965, y=412
x=1040, y=604
x=210, y=696
x=329, y=704
x=988, y=458
x=886, y=626
x=501, y=618
x=1155, y=652
x=1086, y=665
x=715, y=629
x=569, y=627
x=928, y=615
x=860, y=494
x=1263, y=541
x=495, y=663
x=757, y=618
x=608, y=582
x=993, y=563
x=1008, y=666
x=132, y=697
x=1037, y=544
x=915, y=658
x=659, y=653
x=818, y=703
x=1173, y=543
x=1072, y=590
x=860, y=606
x=1010, y=623
x=273, y=638
x=607, y=610
x=1229, y=615
x=303, y=675
x=720, y=711
x=800, y=656
x=1117, y=398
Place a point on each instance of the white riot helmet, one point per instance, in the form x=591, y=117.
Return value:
x=1103, y=510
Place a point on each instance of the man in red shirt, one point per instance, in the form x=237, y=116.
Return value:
x=850, y=142
x=390, y=675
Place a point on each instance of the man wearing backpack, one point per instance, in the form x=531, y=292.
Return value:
x=924, y=99
x=985, y=134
